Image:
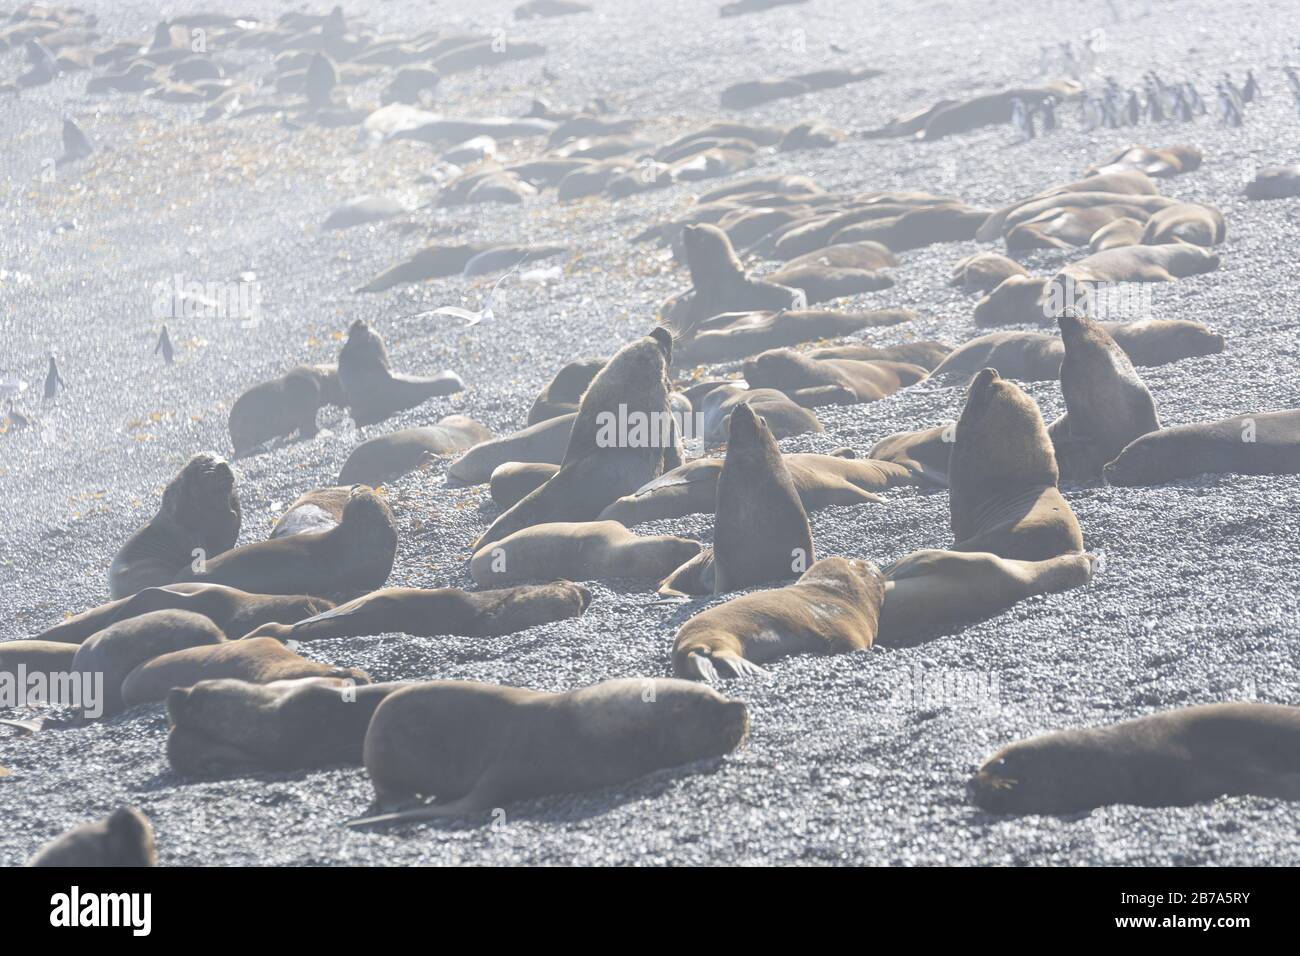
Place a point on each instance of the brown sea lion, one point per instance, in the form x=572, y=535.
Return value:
x=1002, y=478
x=579, y=551
x=386, y=457
x=430, y=263
x=1274, y=182
x=439, y=611
x=1127, y=183
x=928, y=593
x=1172, y=759
x=783, y=416
x=812, y=382
x=927, y=354
x=372, y=390
x=1264, y=444
x=235, y=612
x=1067, y=227
x=544, y=442
x=1107, y=404
x=475, y=746
x=260, y=660
x=751, y=93
x=355, y=555
x=199, y=517
x=1185, y=222
x=229, y=726
x=117, y=650
x=1152, y=162
x=283, y=405
x=123, y=838
x=314, y=512
x=513, y=481
x=833, y=608
x=1124, y=231
x=984, y=271
x=958, y=116
x=738, y=335
x=926, y=453
x=48, y=658
x=563, y=393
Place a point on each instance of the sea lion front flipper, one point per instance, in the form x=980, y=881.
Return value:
x=695, y=577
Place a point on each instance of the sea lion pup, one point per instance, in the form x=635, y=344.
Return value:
x=1171, y=759
x=123, y=838
x=562, y=395
x=719, y=284
x=372, y=391
x=1107, y=404
x=812, y=382
x=1124, y=231
x=925, y=453
x=235, y=612
x=283, y=405
x=821, y=481
x=781, y=414
x=623, y=436
x=199, y=517
x=1185, y=222
x=380, y=459
x=984, y=271
x=1002, y=478
x=356, y=555
x=1263, y=444
x=544, y=442
x=259, y=660
x=435, y=612
x=738, y=335
x=221, y=727
x=1151, y=162
x=515, y=480
x=120, y=648
x=928, y=593
x=579, y=551
x=834, y=608
x=1274, y=182
x=475, y=746
x=761, y=532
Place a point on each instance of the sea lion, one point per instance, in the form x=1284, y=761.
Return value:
x=550, y=8
x=820, y=283
x=719, y=284
x=761, y=531
x=373, y=392
x=833, y=608
x=1152, y=162
x=927, y=354
x=314, y=512
x=1107, y=404
x=439, y=611
x=1128, y=183
x=1067, y=227
x=811, y=134
x=35, y=657
x=235, y=612
x=1171, y=759
x=822, y=481
x=579, y=551
x=740, y=7
x=260, y=660
x=390, y=456
x=362, y=210
x=432, y=262
x=228, y=726
x=865, y=255
x=984, y=271
x=1264, y=444
x=1124, y=231
x=781, y=414
x=925, y=453
x=120, y=648
x=624, y=435
x=1017, y=299
x=515, y=480
x=199, y=518
x=738, y=335
x=1002, y=478
x=929, y=592
x=563, y=393
x=544, y=443
x=123, y=838
x=1186, y=222
x=477, y=746
x=947, y=117
x=1274, y=182
x=751, y=93
x=355, y=555
x=812, y=382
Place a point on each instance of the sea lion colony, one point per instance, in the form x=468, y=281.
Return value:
x=212, y=627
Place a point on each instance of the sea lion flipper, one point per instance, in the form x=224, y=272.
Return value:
x=737, y=666
x=472, y=802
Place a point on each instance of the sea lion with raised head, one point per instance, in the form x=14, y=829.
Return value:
x=1107, y=405
x=1171, y=759
x=1264, y=444
x=435, y=612
x=579, y=551
x=473, y=747
x=199, y=518
x=390, y=456
x=930, y=592
x=372, y=390
x=123, y=838
x=283, y=405
x=1002, y=478
x=812, y=382
x=120, y=648
x=834, y=608
x=355, y=555
x=543, y=443
x=230, y=726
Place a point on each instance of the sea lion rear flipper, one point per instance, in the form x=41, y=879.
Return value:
x=472, y=802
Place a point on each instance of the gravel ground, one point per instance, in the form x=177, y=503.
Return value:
x=857, y=759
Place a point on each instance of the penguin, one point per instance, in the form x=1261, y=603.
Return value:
x=1132, y=108
x=1048, y=108
x=1250, y=89
x=43, y=66
x=320, y=81
x=53, y=380
x=164, y=346
x=76, y=144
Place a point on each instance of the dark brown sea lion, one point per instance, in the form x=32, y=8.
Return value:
x=199, y=518
x=1263, y=444
x=123, y=838
x=926, y=453
x=563, y=393
x=372, y=390
x=579, y=551
x=515, y=480
x=390, y=456
x=475, y=746
x=282, y=406
x=958, y=116
x=1274, y=182
x=1172, y=759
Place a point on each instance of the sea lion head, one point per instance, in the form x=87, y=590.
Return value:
x=1142, y=462
x=202, y=499
x=664, y=338
x=1001, y=437
x=695, y=722
x=367, y=526
x=129, y=840
x=1189, y=157
x=1055, y=773
x=364, y=348
x=709, y=257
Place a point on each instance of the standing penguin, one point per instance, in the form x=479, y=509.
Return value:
x=1250, y=89
x=320, y=81
x=53, y=380
x=76, y=144
x=1048, y=107
x=164, y=346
